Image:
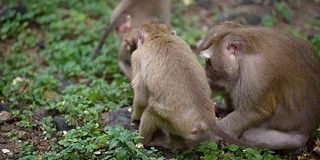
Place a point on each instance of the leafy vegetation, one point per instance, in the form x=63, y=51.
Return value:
x=46, y=62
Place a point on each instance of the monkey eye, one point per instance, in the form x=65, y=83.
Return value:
x=208, y=62
x=206, y=47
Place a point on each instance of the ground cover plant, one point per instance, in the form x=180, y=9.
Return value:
x=52, y=95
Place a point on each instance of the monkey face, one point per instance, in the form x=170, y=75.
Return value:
x=223, y=56
x=215, y=64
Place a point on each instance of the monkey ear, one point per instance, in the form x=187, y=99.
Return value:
x=174, y=33
x=140, y=39
x=130, y=41
x=235, y=46
x=124, y=27
x=206, y=54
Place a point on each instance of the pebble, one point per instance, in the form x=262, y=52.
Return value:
x=7, y=152
x=42, y=112
x=6, y=128
x=61, y=124
x=5, y=116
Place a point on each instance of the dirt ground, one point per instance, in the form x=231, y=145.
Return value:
x=208, y=13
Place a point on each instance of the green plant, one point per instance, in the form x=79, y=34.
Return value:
x=15, y=135
x=60, y=75
x=315, y=22
x=284, y=10
x=295, y=33
x=47, y=125
x=186, y=28
x=212, y=151
x=316, y=42
x=89, y=142
x=268, y=20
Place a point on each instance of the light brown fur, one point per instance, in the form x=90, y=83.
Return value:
x=272, y=81
x=171, y=92
x=136, y=14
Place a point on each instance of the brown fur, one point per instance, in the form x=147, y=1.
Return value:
x=272, y=80
x=171, y=92
x=140, y=12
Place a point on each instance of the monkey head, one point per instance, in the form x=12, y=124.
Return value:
x=223, y=51
x=151, y=30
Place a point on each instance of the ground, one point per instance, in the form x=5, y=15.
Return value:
x=301, y=18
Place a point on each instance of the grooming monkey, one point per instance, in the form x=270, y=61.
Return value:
x=271, y=81
x=127, y=18
x=171, y=92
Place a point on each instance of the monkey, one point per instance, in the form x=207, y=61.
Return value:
x=121, y=17
x=271, y=80
x=171, y=92
x=220, y=108
x=126, y=20
x=127, y=46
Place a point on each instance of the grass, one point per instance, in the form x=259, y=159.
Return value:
x=46, y=62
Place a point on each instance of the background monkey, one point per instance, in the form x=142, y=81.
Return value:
x=171, y=92
x=130, y=16
x=271, y=79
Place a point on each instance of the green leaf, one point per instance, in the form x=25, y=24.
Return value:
x=249, y=150
x=113, y=143
x=232, y=147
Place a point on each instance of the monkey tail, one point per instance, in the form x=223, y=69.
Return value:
x=234, y=140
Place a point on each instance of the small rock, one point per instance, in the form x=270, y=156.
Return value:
x=42, y=112
x=41, y=44
x=63, y=85
x=4, y=116
x=61, y=124
x=4, y=106
x=6, y=128
x=7, y=152
x=120, y=117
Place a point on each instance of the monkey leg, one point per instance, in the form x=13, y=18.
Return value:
x=276, y=140
x=126, y=69
x=158, y=139
x=148, y=125
x=137, y=112
x=153, y=135
x=140, y=100
x=166, y=140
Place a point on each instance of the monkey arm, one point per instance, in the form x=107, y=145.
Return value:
x=247, y=116
x=141, y=97
x=126, y=69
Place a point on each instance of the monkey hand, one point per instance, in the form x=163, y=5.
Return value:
x=214, y=138
x=135, y=122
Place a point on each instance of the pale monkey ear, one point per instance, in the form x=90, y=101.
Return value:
x=174, y=33
x=126, y=26
x=206, y=54
x=141, y=38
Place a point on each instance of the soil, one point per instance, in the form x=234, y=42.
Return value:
x=243, y=11
x=34, y=135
